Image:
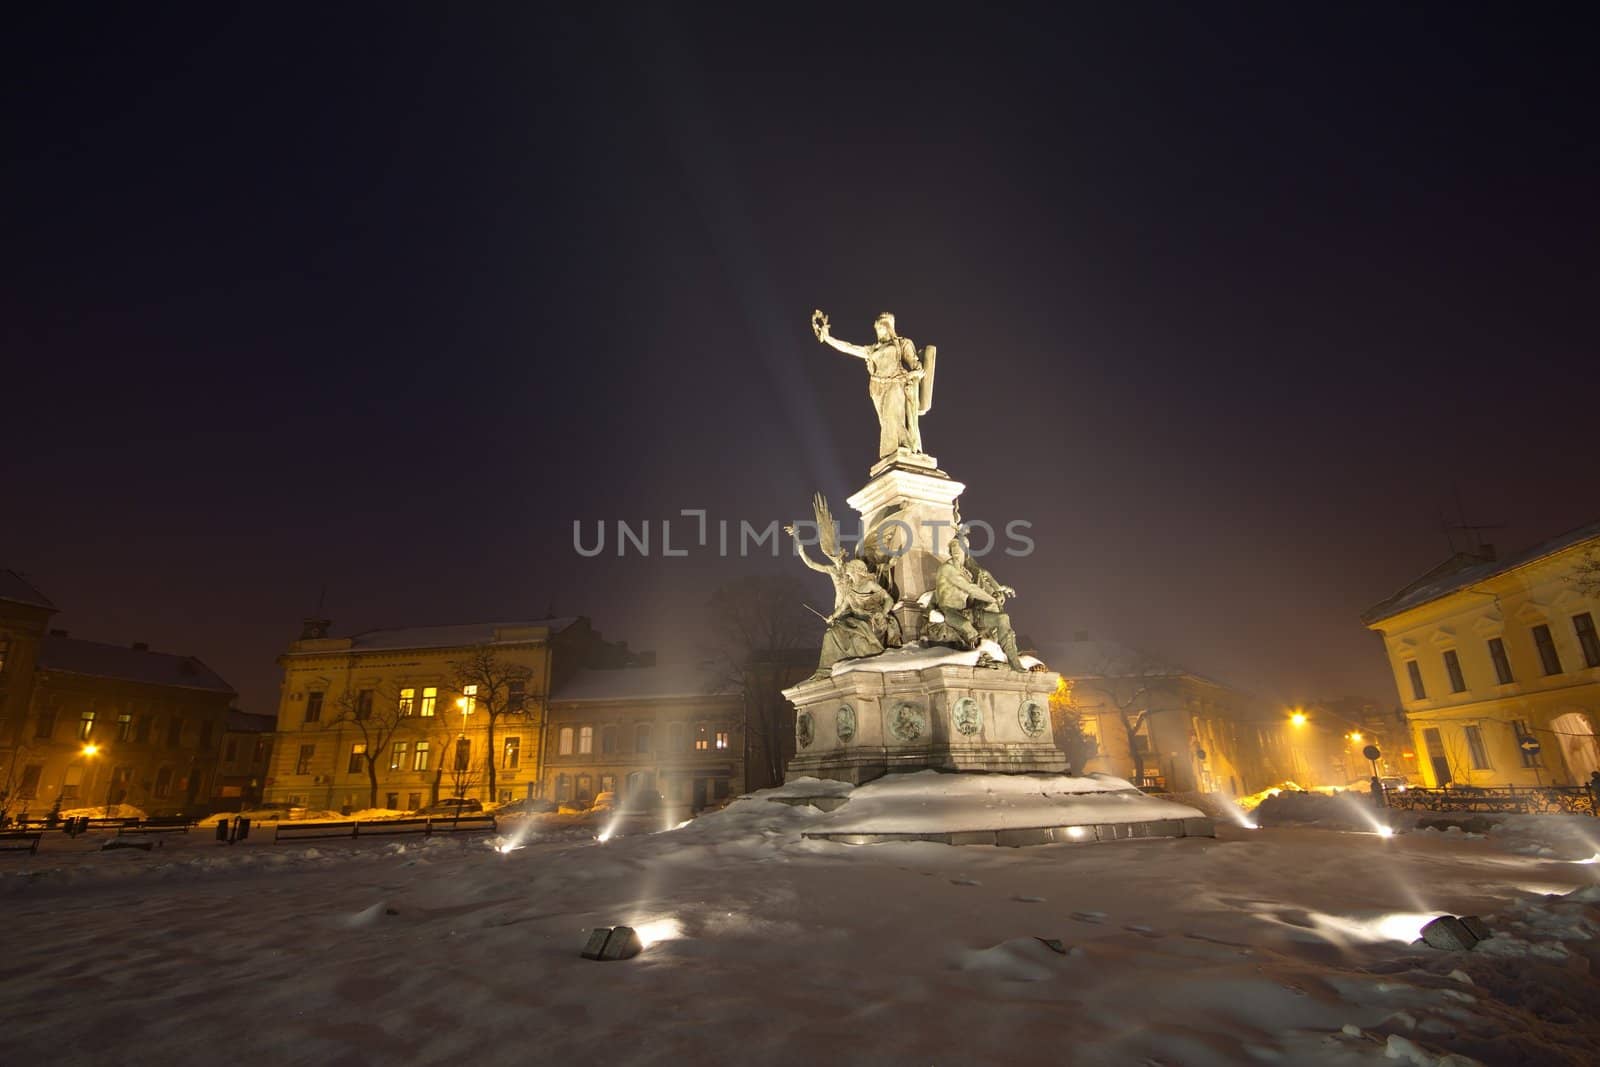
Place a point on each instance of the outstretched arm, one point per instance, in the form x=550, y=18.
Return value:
x=831, y=341
x=800, y=550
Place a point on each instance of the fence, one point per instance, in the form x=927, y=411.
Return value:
x=447, y=824
x=1528, y=800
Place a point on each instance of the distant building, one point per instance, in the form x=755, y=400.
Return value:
x=1488, y=653
x=246, y=757
x=675, y=729
x=87, y=724
x=390, y=712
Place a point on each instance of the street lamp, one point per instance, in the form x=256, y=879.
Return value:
x=1298, y=718
x=91, y=750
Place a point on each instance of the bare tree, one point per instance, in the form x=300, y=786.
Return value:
x=10, y=783
x=377, y=715
x=495, y=689
x=1587, y=575
x=758, y=627
x=1124, y=684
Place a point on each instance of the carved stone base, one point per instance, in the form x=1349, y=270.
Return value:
x=915, y=709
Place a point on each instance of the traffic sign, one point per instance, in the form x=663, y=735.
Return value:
x=1530, y=745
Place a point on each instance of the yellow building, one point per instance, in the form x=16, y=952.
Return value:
x=400, y=718
x=1487, y=653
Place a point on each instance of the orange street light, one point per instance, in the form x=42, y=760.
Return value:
x=90, y=749
x=1298, y=718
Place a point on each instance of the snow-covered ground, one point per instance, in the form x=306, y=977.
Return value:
x=1288, y=944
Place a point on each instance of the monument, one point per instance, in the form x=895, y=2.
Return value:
x=920, y=669
x=920, y=666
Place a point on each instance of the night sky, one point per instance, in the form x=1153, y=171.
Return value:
x=1231, y=303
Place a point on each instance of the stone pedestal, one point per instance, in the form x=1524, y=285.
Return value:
x=916, y=708
x=912, y=500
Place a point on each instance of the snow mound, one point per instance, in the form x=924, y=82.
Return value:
x=917, y=656
x=1022, y=959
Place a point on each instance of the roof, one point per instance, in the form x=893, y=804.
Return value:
x=248, y=722
x=462, y=635
x=1461, y=571
x=643, y=683
x=15, y=588
x=69, y=655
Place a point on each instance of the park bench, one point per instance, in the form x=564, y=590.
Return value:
x=427, y=826
x=20, y=841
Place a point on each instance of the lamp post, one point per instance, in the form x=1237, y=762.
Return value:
x=91, y=750
x=465, y=704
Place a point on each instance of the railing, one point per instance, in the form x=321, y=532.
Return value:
x=1527, y=800
x=428, y=826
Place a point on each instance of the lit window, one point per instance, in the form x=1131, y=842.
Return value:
x=608, y=783
x=641, y=738
x=408, y=701
x=469, y=693
x=702, y=737
x=511, y=758
x=1549, y=658
x=398, y=754
x=1418, y=692
x=564, y=746
x=124, y=727
x=722, y=738
x=1089, y=730
x=1502, y=665
x=585, y=740
x=424, y=756
x=430, y=700
x=1583, y=625
x=1476, y=749
x=85, y=725
x=1452, y=667
x=358, y=757
x=303, y=764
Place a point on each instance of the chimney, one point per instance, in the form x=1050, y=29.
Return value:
x=141, y=646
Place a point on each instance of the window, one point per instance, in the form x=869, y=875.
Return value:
x=1452, y=667
x=206, y=732
x=608, y=783
x=1502, y=665
x=702, y=737
x=391, y=801
x=72, y=782
x=303, y=764
x=408, y=702
x=1417, y=691
x=463, y=753
x=1548, y=657
x=1529, y=759
x=469, y=693
x=641, y=738
x=314, y=706
x=363, y=705
x=28, y=788
x=46, y=726
x=124, y=727
x=358, y=757
x=677, y=737
x=1584, y=626
x=564, y=745
x=263, y=747
x=413, y=801
x=585, y=788
x=1089, y=730
x=511, y=758
x=230, y=750
x=117, y=792
x=608, y=741
x=85, y=725
x=424, y=756
x=175, y=732
x=1476, y=749
x=163, y=786
x=517, y=696
x=722, y=739
x=430, y=701
x=398, y=753
x=563, y=787
x=585, y=740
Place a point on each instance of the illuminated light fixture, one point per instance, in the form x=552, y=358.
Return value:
x=90, y=749
x=1356, y=737
x=1385, y=831
x=612, y=943
x=1298, y=718
x=1076, y=831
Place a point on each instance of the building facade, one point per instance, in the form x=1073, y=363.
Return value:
x=1489, y=654
x=245, y=760
x=398, y=719
x=669, y=729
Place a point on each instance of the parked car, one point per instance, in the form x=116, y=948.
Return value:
x=453, y=806
x=526, y=806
